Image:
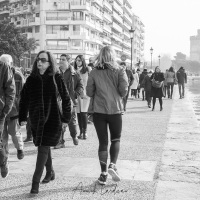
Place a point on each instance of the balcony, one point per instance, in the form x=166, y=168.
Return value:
x=117, y=8
x=27, y=9
x=126, y=51
x=117, y=17
x=127, y=44
x=127, y=18
x=12, y=11
x=4, y=10
x=98, y=27
x=108, y=5
x=107, y=40
x=24, y=22
x=127, y=26
x=107, y=28
x=117, y=46
x=63, y=6
x=59, y=20
x=35, y=21
x=126, y=35
x=77, y=6
x=120, y=2
x=107, y=17
x=128, y=10
x=99, y=2
x=18, y=10
x=96, y=13
x=117, y=37
x=117, y=27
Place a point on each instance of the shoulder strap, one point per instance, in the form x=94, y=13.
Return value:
x=55, y=84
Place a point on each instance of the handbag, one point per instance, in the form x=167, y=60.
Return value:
x=156, y=84
x=59, y=100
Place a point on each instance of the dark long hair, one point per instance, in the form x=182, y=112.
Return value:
x=52, y=67
x=84, y=66
x=171, y=69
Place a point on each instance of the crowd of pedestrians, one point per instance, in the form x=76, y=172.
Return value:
x=56, y=96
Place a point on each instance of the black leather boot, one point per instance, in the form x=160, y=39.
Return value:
x=81, y=134
x=35, y=188
x=50, y=176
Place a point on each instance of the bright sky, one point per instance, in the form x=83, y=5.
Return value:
x=168, y=25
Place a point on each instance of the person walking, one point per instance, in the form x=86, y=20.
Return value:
x=11, y=125
x=39, y=100
x=147, y=88
x=107, y=85
x=157, y=92
x=83, y=99
x=134, y=86
x=182, y=80
x=170, y=79
x=7, y=91
x=74, y=84
x=165, y=83
x=138, y=87
x=130, y=82
x=141, y=78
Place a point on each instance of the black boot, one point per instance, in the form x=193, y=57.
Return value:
x=161, y=108
x=50, y=176
x=81, y=134
x=85, y=136
x=35, y=188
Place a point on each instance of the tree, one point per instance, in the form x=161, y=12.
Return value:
x=32, y=45
x=180, y=56
x=12, y=41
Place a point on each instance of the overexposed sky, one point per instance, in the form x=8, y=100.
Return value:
x=168, y=24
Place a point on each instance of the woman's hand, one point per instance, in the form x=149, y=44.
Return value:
x=64, y=125
x=23, y=123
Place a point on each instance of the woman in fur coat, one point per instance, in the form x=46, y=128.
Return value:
x=39, y=100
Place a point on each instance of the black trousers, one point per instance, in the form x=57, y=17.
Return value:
x=44, y=159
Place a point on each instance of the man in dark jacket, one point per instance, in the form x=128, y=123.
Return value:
x=182, y=79
x=144, y=73
x=130, y=82
x=7, y=96
x=74, y=84
x=11, y=125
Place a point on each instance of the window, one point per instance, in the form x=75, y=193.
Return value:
x=37, y=2
x=52, y=29
x=30, y=30
x=52, y=42
x=64, y=28
x=37, y=14
x=76, y=27
x=78, y=15
x=37, y=29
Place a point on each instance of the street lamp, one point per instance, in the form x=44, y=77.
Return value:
x=151, y=51
x=159, y=60
x=131, y=36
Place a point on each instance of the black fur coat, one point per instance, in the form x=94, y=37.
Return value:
x=39, y=100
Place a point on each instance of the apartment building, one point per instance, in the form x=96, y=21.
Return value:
x=138, y=49
x=75, y=26
x=195, y=47
x=4, y=9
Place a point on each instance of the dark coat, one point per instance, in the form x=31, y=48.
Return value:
x=181, y=76
x=157, y=92
x=141, y=78
x=39, y=99
x=147, y=83
x=7, y=89
x=130, y=76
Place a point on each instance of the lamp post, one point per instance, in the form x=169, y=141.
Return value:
x=151, y=51
x=159, y=60
x=131, y=36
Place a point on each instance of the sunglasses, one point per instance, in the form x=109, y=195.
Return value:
x=43, y=60
x=78, y=60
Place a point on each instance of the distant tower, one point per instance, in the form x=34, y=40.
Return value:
x=195, y=47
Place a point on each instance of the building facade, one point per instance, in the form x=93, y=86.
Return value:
x=138, y=43
x=195, y=47
x=4, y=9
x=75, y=26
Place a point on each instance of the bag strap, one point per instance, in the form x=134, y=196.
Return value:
x=57, y=92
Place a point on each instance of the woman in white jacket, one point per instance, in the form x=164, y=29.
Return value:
x=134, y=86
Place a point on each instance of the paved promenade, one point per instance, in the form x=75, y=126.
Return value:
x=159, y=159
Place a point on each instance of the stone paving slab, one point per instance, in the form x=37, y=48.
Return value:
x=170, y=190
x=87, y=167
